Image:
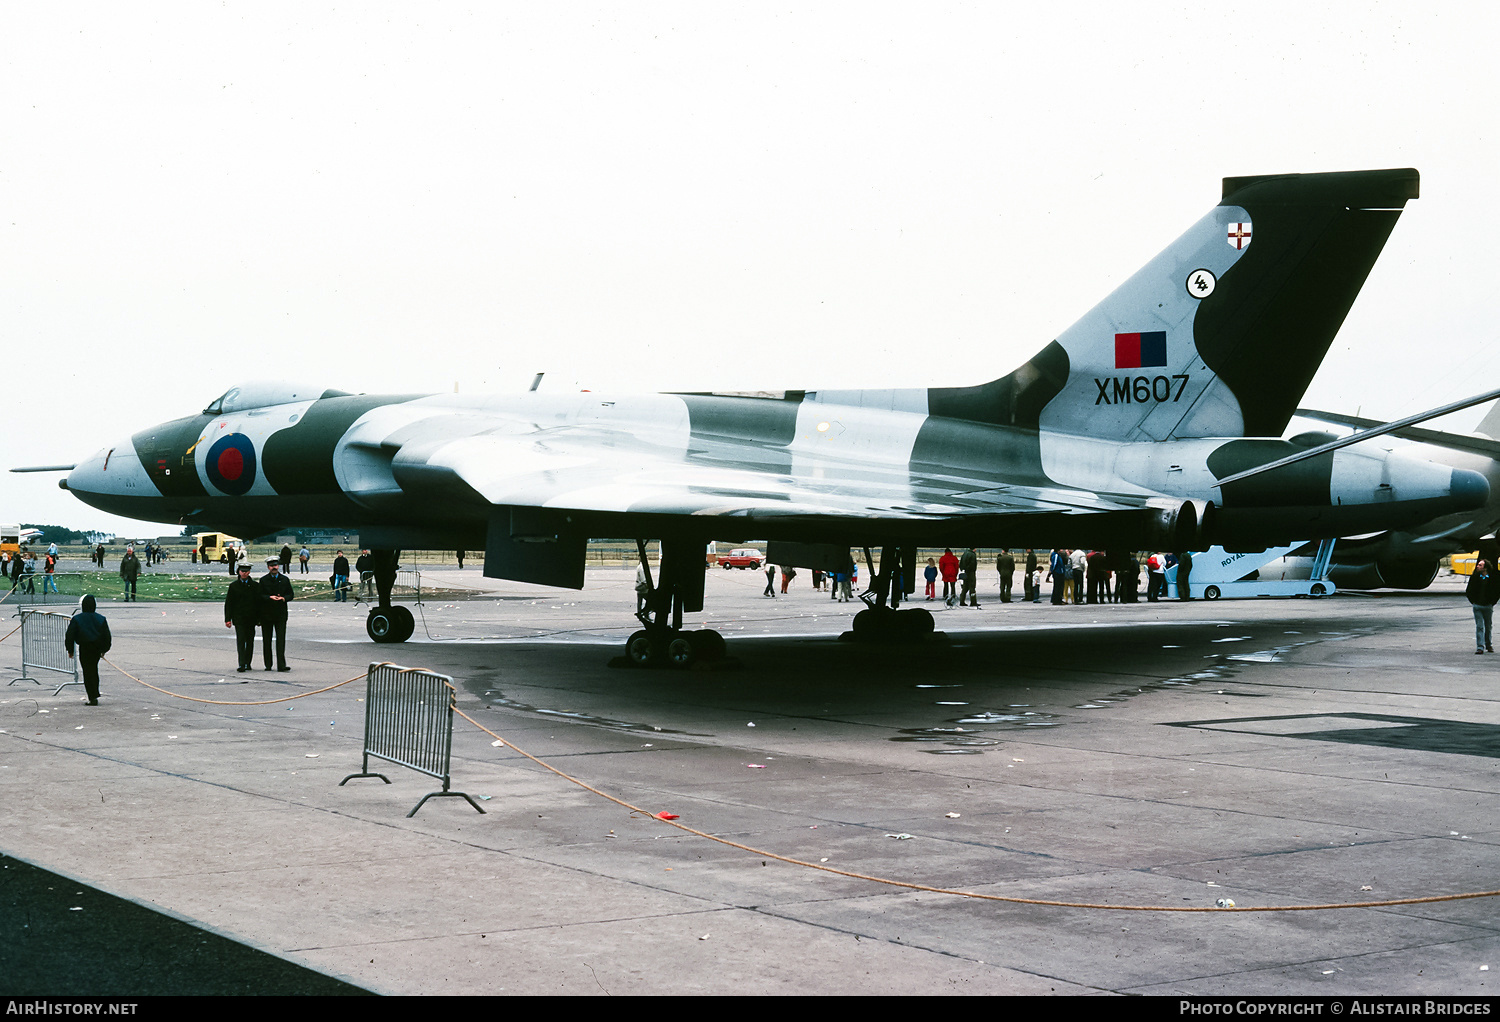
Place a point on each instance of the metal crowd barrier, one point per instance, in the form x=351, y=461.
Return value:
x=43, y=649
x=408, y=584
x=409, y=722
x=40, y=588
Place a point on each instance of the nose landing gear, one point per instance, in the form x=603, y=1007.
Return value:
x=387, y=621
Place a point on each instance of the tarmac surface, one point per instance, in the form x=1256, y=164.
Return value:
x=1273, y=752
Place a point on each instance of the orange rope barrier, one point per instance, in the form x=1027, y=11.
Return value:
x=972, y=894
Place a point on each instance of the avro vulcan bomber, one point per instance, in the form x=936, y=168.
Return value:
x=1150, y=423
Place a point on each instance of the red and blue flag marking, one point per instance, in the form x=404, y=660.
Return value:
x=1140, y=351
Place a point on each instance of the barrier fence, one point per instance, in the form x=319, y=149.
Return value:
x=39, y=588
x=67, y=588
x=409, y=722
x=43, y=648
x=408, y=585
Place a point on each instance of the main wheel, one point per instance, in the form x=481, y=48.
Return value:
x=642, y=649
x=873, y=622
x=1211, y=593
x=682, y=651
x=917, y=622
x=710, y=644
x=404, y=622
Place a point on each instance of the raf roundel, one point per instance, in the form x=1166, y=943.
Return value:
x=231, y=464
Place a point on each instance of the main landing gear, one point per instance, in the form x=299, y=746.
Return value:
x=653, y=646
x=388, y=622
x=880, y=621
x=662, y=642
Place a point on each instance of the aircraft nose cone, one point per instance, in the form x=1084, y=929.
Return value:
x=112, y=480
x=1469, y=489
x=84, y=474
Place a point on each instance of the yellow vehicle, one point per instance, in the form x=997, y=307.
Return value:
x=1463, y=564
x=13, y=537
x=215, y=546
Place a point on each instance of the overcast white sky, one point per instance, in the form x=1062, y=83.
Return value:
x=659, y=196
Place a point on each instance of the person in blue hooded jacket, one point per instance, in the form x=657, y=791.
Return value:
x=88, y=633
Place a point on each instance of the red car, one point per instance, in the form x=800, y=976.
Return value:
x=742, y=558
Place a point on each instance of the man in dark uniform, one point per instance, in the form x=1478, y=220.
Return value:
x=1184, y=571
x=89, y=632
x=1096, y=573
x=242, y=613
x=968, y=567
x=1129, y=580
x=1006, y=565
x=275, y=594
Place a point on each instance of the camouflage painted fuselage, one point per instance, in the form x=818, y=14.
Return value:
x=1116, y=434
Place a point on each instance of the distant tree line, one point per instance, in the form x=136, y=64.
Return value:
x=58, y=534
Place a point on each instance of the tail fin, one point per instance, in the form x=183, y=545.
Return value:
x=1220, y=334
x=1489, y=425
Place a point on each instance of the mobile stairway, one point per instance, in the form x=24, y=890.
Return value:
x=1218, y=574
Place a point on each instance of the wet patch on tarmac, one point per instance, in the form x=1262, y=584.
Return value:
x=1223, y=671
x=967, y=735
x=494, y=698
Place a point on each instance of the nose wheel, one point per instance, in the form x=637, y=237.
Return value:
x=390, y=624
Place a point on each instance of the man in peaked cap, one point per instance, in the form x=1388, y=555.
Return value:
x=242, y=613
x=275, y=594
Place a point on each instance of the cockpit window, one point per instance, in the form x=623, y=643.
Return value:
x=216, y=407
x=261, y=394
